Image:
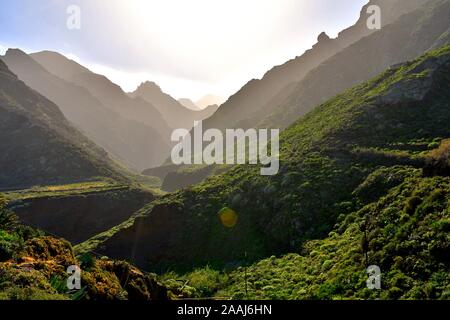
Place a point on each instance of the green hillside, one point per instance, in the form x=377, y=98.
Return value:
x=405, y=233
x=328, y=158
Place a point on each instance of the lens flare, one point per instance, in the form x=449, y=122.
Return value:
x=228, y=217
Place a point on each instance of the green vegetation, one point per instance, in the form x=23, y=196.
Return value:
x=200, y=283
x=33, y=267
x=66, y=189
x=344, y=155
x=364, y=180
x=405, y=232
x=410, y=244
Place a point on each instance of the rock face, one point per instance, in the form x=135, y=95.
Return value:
x=38, y=145
x=78, y=217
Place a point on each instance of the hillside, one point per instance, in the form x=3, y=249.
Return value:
x=393, y=120
x=176, y=115
x=406, y=38
x=39, y=146
x=289, y=91
x=405, y=233
x=133, y=143
x=108, y=93
x=258, y=98
x=33, y=267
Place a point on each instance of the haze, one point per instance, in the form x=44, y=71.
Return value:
x=190, y=48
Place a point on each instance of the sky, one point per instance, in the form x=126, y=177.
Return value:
x=190, y=48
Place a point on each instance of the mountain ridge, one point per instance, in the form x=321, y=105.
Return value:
x=258, y=95
x=39, y=145
x=176, y=115
x=125, y=139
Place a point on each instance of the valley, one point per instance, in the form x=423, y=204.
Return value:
x=158, y=198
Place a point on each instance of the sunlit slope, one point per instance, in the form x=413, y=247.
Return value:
x=392, y=120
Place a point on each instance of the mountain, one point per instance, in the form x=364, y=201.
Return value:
x=258, y=98
x=396, y=42
x=344, y=155
x=38, y=145
x=188, y=103
x=406, y=38
x=33, y=266
x=209, y=100
x=176, y=115
x=108, y=93
x=125, y=139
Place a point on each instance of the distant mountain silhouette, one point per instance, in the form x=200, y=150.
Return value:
x=108, y=93
x=38, y=145
x=134, y=143
x=188, y=103
x=176, y=115
x=411, y=35
x=209, y=100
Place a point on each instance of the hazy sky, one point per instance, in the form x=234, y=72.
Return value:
x=189, y=47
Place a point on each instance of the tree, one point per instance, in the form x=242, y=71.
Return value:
x=8, y=220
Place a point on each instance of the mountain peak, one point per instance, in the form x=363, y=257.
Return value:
x=150, y=85
x=188, y=103
x=323, y=37
x=14, y=52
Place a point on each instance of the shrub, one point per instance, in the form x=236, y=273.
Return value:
x=8, y=220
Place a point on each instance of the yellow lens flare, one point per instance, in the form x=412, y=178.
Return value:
x=228, y=217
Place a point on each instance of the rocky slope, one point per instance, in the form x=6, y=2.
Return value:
x=33, y=266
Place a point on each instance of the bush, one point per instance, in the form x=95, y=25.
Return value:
x=206, y=281
x=8, y=220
